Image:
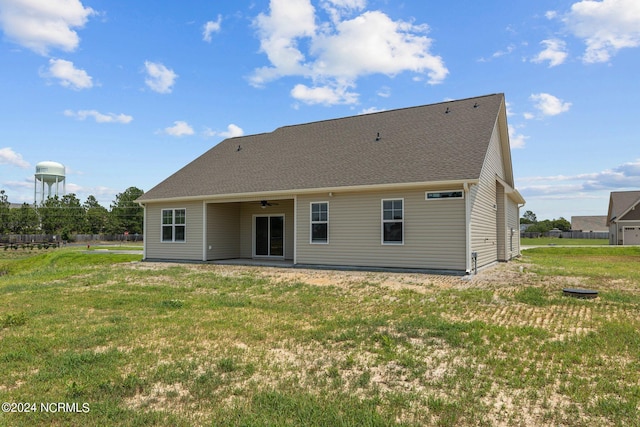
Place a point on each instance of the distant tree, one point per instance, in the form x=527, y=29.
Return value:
x=561, y=224
x=64, y=216
x=24, y=220
x=97, y=216
x=75, y=217
x=541, y=226
x=5, y=209
x=528, y=218
x=50, y=215
x=126, y=213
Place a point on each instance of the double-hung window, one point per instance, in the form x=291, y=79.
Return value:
x=393, y=222
x=174, y=225
x=320, y=222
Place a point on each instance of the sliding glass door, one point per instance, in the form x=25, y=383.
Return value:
x=269, y=235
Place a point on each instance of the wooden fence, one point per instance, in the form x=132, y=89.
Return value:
x=568, y=234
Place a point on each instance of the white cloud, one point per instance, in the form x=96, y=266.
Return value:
x=517, y=140
x=43, y=25
x=341, y=51
x=371, y=110
x=10, y=157
x=549, y=105
x=99, y=117
x=509, y=111
x=554, y=52
x=279, y=31
x=384, y=92
x=605, y=26
x=326, y=95
x=499, y=53
x=68, y=75
x=625, y=176
x=179, y=128
x=373, y=43
x=231, y=132
x=159, y=78
x=211, y=27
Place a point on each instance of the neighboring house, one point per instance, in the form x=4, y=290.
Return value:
x=624, y=218
x=427, y=187
x=595, y=223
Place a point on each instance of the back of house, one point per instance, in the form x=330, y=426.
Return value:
x=428, y=187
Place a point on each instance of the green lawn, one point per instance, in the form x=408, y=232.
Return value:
x=144, y=344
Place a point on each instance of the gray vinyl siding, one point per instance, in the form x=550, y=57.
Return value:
x=484, y=205
x=190, y=249
x=501, y=222
x=223, y=231
x=613, y=233
x=247, y=212
x=434, y=231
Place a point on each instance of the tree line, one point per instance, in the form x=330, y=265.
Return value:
x=545, y=225
x=66, y=216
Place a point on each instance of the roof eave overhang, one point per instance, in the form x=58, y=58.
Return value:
x=284, y=194
x=511, y=192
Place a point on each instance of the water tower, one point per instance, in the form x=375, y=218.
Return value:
x=52, y=174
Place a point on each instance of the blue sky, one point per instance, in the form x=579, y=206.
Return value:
x=124, y=93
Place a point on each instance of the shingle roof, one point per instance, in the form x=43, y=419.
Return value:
x=438, y=142
x=620, y=202
x=589, y=223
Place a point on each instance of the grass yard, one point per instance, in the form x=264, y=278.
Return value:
x=120, y=342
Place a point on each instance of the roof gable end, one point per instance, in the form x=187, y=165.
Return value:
x=621, y=203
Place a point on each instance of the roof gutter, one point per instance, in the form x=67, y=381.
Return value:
x=287, y=194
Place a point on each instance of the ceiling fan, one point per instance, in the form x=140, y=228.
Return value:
x=265, y=203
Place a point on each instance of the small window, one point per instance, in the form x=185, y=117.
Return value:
x=393, y=222
x=442, y=195
x=174, y=225
x=320, y=222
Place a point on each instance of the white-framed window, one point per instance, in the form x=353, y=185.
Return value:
x=319, y=222
x=444, y=195
x=393, y=221
x=174, y=225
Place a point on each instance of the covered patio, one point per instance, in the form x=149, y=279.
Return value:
x=255, y=230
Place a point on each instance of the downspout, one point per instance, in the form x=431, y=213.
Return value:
x=295, y=230
x=520, y=206
x=144, y=231
x=467, y=221
x=204, y=231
